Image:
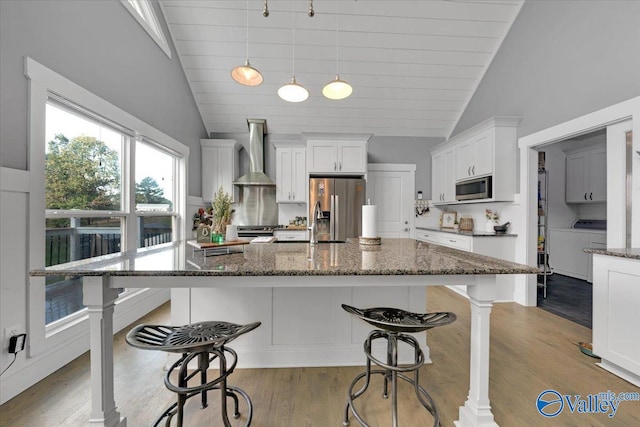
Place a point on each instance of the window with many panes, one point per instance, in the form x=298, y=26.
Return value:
x=91, y=200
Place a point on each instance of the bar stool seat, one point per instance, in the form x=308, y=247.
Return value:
x=394, y=325
x=204, y=341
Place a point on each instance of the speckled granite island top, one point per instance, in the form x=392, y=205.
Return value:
x=633, y=253
x=392, y=257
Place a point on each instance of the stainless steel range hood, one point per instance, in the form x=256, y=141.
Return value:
x=258, y=192
x=256, y=175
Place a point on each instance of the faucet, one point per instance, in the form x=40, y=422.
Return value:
x=317, y=214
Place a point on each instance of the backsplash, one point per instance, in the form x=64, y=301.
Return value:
x=506, y=211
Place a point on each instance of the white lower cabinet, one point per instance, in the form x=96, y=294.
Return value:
x=566, y=251
x=616, y=318
x=501, y=247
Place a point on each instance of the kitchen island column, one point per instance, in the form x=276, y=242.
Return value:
x=477, y=409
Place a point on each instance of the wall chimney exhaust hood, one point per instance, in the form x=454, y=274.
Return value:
x=256, y=175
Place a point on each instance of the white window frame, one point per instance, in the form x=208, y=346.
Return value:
x=146, y=17
x=42, y=83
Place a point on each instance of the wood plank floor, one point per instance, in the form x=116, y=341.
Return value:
x=531, y=351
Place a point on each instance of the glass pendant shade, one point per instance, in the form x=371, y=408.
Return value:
x=293, y=92
x=247, y=75
x=337, y=89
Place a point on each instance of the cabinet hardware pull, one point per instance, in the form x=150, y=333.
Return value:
x=335, y=166
x=473, y=170
x=469, y=171
x=585, y=196
x=340, y=165
x=590, y=196
x=289, y=195
x=294, y=196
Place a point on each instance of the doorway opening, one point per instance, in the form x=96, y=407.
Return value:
x=572, y=216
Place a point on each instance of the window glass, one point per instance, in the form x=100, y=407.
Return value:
x=72, y=239
x=155, y=192
x=83, y=162
x=154, y=179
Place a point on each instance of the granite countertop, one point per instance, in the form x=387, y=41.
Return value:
x=475, y=233
x=392, y=257
x=633, y=253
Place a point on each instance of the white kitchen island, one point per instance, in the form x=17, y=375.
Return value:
x=616, y=311
x=304, y=282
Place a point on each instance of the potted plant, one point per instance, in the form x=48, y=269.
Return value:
x=222, y=213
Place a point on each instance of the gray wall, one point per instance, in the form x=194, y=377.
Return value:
x=561, y=59
x=99, y=46
x=385, y=149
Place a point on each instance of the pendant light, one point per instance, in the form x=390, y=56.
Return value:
x=337, y=89
x=246, y=74
x=293, y=92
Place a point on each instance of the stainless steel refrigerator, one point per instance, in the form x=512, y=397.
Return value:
x=340, y=209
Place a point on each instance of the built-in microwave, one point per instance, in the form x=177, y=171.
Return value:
x=474, y=189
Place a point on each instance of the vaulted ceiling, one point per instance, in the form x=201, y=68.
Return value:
x=413, y=65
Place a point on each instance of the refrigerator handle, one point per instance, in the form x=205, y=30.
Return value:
x=332, y=218
x=336, y=231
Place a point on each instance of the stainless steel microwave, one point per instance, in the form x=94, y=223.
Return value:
x=475, y=189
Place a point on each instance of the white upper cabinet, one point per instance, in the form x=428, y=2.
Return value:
x=336, y=154
x=337, y=157
x=587, y=175
x=220, y=167
x=475, y=156
x=487, y=149
x=443, y=167
x=291, y=175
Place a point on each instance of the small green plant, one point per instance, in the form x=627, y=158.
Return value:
x=222, y=212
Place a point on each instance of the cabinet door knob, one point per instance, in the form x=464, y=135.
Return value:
x=406, y=229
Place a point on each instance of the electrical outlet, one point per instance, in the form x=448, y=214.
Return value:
x=10, y=332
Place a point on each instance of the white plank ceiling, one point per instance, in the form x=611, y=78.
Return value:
x=413, y=65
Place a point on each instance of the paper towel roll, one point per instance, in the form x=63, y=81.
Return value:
x=369, y=221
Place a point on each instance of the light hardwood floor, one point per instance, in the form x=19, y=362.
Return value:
x=531, y=351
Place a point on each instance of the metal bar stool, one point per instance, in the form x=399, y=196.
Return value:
x=205, y=341
x=393, y=325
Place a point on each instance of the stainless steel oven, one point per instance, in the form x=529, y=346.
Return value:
x=475, y=189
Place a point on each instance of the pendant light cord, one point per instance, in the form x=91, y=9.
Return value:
x=293, y=33
x=246, y=39
x=337, y=44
